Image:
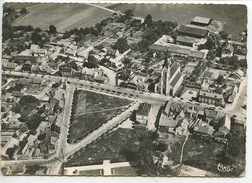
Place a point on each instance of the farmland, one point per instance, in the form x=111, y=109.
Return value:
x=64, y=17
x=92, y=110
x=70, y=16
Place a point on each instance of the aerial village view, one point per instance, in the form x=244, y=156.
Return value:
x=124, y=89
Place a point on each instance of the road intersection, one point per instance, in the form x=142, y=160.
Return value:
x=64, y=149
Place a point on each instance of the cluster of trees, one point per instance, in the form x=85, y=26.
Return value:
x=153, y=31
x=128, y=14
x=23, y=11
x=234, y=62
x=25, y=106
x=220, y=80
x=124, y=73
x=81, y=33
x=121, y=45
x=92, y=62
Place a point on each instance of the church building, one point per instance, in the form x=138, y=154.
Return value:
x=170, y=80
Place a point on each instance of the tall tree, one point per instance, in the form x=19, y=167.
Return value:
x=121, y=45
x=23, y=11
x=128, y=14
x=36, y=38
x=52, y=29
x=148, y=20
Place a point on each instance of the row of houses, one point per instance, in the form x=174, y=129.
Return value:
x=177, y=118
x=179, y=50
x=85, y=73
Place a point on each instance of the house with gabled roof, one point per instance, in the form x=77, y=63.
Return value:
x=201, y=21
x=224, y=127
x=227, y=51
x=143, y=113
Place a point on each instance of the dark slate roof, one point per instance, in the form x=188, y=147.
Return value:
x=176, y=78
x=158, y=48
x=192, y=30
x=141, y=74
x=175, y=66
x=185, y=39
x=144, y=109
x=180, y=50
x=197, y=54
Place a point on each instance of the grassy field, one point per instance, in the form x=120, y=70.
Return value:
x=20, y=5
x=110, y=147
x=183, y=13
x=69, y=16
x=202, y=153
x=63, y=16
x=91, y=110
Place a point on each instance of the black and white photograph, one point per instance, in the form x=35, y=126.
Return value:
x=124, y=89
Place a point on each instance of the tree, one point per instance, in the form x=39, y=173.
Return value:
x=128, y=14
x=148, y=20
x=219, y=90
x=161, y=147
x=41, y=136
x=36, y=38
x=52, y=29
x=144, y=160
x=220, y=80
x=29, y=28
x=37, y=30
x=127, y=61
x=243, y=63
x=224, y=86
x=23, y=11
x=10, y=152
x=92, y=62
x=121, y=45
x=223, y=35
x=34, y=121
x=86, y=31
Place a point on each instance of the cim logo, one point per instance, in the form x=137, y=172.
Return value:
x=225, y=168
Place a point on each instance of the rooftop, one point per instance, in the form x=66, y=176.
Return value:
x=204, y=129
x=167, y=122
x=175, y=66
x=192, y=30
x=197, y=54
x=210, y=113
x=202, y=20
x=144, y=109
x=179, y=49
x=157, y=47
x=176, y=78
x=209, y=94
x=186, y=39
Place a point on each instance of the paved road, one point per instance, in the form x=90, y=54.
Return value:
x=103, y=129
x=240, y=100
x=71, y=149
x=55, y=161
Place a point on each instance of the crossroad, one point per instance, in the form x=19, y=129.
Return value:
x=64, y=149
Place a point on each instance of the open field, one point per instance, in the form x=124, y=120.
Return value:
x=69, y=16
x=20, y=5
x=111, y=146
x=63, y=16
x=234, y=23
x=91, y=110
